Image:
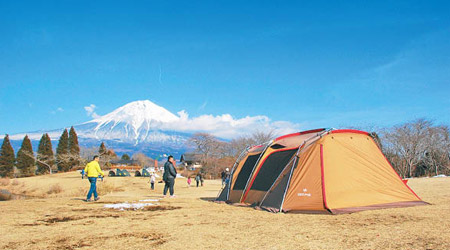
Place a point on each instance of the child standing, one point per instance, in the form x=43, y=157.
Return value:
x=152, y=181
x=189, y=181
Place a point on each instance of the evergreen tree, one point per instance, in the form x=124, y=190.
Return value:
x=7, y=158
x=25, y=158
x=104, y=155
x=62, y=152
x=102, y=149
x=125, y=157
x=74, y=148
x=45, y=158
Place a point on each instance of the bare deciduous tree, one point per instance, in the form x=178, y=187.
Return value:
x=63, y=158
x=409, y=142
x=241, y=143
x=217, y=154
x=142, y=159
x=438, y=146
x=205, y=144
x=260, y=137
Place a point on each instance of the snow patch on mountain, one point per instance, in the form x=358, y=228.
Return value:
x=139, y=121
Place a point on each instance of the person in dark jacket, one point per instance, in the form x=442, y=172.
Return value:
x=223, y=175
x=170, y=173
x=197, y=178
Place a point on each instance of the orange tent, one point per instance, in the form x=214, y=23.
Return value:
x=242, y=171
x=329, y=171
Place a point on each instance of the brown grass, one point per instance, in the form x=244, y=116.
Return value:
x=106, y=187
x=55, y=189
x=4, y=181
x=189, y=221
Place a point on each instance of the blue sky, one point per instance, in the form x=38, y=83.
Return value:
x=311, y=63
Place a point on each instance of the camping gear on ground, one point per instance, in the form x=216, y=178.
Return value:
x=145, y=173
x=319, y=171
x=142, y=173
x=125, y=172
x=119, y=172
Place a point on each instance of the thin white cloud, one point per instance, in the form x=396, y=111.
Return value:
x=90, y=111
x=423, y=62
x=59, y=109
x=203, y=106
x=226, y=126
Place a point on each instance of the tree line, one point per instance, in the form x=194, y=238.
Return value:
x=28, y=164
x=69, y=156
x=417, y=148
x=414, y=149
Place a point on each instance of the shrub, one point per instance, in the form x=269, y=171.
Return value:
x=5, y=195
x=4, y=181
x=55, y=189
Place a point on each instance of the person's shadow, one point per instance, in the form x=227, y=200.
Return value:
x=207, y=198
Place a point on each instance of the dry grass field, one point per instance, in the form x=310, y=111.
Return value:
x=50, y=214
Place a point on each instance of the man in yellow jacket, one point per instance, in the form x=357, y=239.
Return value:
x=93, y=171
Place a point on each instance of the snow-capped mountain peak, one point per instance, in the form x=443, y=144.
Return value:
x=136, y=121
x=139, y=126
x=137, y=113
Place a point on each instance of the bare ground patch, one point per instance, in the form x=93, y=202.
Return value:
x=160, y=208
x=150, y=239
x=58, y=219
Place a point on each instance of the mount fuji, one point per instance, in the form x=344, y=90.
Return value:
x=139, y=126
x=136, y=122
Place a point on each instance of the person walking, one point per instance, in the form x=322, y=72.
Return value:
x=197, y=179
x=152, y=181
x=170, y=173
x=93, y=171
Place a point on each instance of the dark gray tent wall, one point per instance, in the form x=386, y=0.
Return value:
x=269, y=171
x=245, y=172
x=223, y=195
x=275, y=196
x=243, y=176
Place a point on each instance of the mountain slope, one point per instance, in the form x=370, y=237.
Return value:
x=136, y=122
x=134, y=127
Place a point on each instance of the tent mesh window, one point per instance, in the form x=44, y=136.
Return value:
x=271, y=169
x=276, y=195
x=245, y=172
